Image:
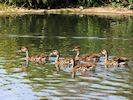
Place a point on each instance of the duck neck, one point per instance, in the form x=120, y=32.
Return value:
x=73, y=63
x=27, y=55
x=57, y=58
x=77, y=55
x=106, y=56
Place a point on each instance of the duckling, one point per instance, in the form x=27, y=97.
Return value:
x=38, y=58
x=70, y=62
x=116, y=61
x=86, y=57
x=65, y=62
x=83, y=67
x=121, y=60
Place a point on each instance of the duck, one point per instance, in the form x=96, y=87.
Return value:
x=94, y=57
x=71, y=63
x=115, y=61
x=121, y=60
x=36, y=58
x=82, y=67
x=64, y=62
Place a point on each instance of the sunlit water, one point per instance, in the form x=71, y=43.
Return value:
x=43, y=33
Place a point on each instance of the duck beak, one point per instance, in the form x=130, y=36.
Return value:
x=18, y=51
x=72, y=50
x=50, y=54
x=100, y=54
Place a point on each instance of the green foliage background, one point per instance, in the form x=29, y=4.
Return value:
x=68, y=3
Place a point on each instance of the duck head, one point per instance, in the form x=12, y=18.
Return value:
x=24, y=49
x=104, y=52
x=54, y=52
x=76, y=49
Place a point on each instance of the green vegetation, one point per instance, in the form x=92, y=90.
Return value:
x=68, y=3
x=46, y=32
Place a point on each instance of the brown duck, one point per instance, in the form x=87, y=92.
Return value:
x=36, y=58
x=116, y=61
x=86, y=57
x=64, y=62
x=83, y=67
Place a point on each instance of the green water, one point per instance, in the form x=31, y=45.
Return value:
x=43, y=33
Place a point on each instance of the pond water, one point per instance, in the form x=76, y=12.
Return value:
x=43, y=33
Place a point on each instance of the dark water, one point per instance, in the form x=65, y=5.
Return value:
x=43, y=33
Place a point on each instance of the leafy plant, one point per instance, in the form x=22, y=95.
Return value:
x=67, y=3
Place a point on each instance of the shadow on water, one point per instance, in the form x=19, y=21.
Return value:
x=43, y=33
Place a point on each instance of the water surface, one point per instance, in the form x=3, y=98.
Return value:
x=43, y=33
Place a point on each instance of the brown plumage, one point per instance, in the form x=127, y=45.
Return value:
x=65, y=62
x=70, y=62
x=83, y=67
x=121, y=60
x=86, y=57
x=107, y=61
x=116, y=61
x=36, y=58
